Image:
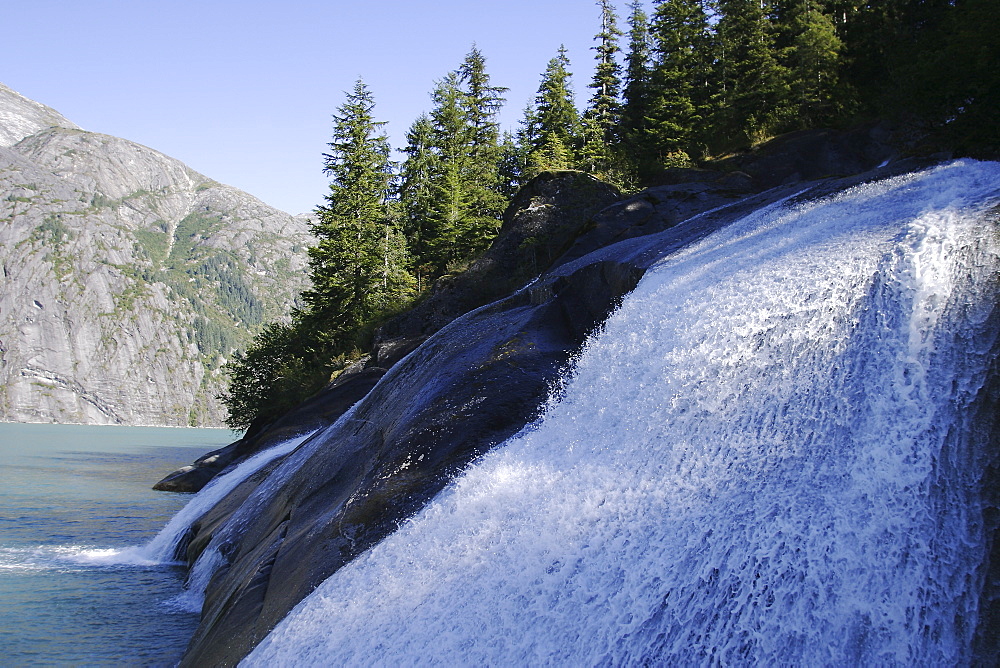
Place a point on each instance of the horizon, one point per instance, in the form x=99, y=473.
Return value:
x=245, y=94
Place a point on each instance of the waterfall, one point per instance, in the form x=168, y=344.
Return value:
x=762, y=458
x=162, y=547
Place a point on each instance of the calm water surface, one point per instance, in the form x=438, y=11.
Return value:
x=69, y=496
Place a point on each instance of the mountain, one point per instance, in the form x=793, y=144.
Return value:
x=128, y=277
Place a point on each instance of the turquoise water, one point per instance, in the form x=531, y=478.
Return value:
x=68, y=495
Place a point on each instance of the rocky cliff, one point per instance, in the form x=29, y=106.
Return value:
x=128, y=277
x=468, y=367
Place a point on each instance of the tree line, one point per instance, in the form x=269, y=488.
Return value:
x=673, y=87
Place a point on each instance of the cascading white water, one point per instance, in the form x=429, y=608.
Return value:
x=160, y=549
x=759, y=460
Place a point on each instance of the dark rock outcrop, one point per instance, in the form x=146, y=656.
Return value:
x=473, y=384
x=470, y=382
x=808, y=155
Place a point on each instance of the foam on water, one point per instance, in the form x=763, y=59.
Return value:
x=760, y=459
x=160, y=549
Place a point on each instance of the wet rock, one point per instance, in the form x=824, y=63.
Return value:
x=473, y=382
x=472, y=385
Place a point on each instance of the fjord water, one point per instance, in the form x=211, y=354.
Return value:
x=71, y=499
x=763, y=459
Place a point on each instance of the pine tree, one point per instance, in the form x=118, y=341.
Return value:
x=602, y=118
x=452, y=192
x=450, y=197
x=511, y=169
x=358, y=266
x=358, y=270
x=482, y=103
x=813, y=63
x=416, y=192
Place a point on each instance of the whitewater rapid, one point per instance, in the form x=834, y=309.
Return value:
x=160, y=550
x=762, y=458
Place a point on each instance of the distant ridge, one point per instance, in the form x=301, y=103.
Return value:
x=21, y=117
x=129, y=278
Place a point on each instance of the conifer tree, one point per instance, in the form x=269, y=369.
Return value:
x=555, y=120
x=358, y=266
x=753, y=97
x=635, y=95
x=416, y=193
x=358, y=270
x=452, y=191
x=602, y=117
x=813, y=62
x=512, y=165
x=676, y=102
x=450, y=197
x=482, y=102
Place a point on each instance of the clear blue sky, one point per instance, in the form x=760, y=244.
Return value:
x=243, y=91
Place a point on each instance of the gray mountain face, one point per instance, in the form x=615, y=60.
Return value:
x=128, y=278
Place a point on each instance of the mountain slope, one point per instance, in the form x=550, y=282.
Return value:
x=128, y=277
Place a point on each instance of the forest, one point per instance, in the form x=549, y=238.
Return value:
x=680, y=84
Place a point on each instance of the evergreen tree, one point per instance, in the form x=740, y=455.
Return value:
x=635, y=104
x=517, y=160
x=450, y=197
x=416, y=193
x=946, y=80
x=452, y=191
x=358, y=270
x=482, y=103
x=813, y=62
x=602, y=118
x=358, y=266
x=555, y=120
x=512, y=166
x=753, y=96
x=676, y=102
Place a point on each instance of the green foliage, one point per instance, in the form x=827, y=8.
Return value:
x=552, y=128
x=52, y=232
x=751, y=101
x=452, y=192
x=233, y=293
x=677, y=101
x=358, y=266
x=602, y=117
x=416, y=194
x=153, y=242
x=358, y=269
x=812, y=59
x=637, y=72
x=277, y=371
